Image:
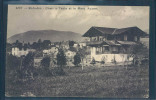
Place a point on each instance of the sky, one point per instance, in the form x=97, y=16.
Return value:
x=74, y=18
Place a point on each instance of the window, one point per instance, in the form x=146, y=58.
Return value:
x=114, y=49
x=100, y=38
x=135, y=38
x=125, y=37
x=107, y=48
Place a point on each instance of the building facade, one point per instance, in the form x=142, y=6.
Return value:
x=112, y=43
x=20, y=52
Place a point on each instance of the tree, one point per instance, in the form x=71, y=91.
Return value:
x=27, y=67
x=46, y=44
x=139, y=52
x=61, y=58
x=77, y=59
x=29, y=45
x=34, y=45
x=17, y=42
x=61, y=61
x=12, y=62
x=19, y=46
x=12, y=67
x=25, y=46
x=28, y=61
x=8, y=47
x=39, y=43
x=82, y=53
x=45, y=62
x=71, y=43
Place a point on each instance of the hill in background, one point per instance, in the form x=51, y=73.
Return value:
x=52, y=35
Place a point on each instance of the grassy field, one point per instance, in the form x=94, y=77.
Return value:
x=108, y=82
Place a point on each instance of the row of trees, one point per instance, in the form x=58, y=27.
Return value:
x=62, y=59
x=39, y=45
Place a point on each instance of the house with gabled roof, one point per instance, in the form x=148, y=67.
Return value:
x=110, y=42
x=122, y=34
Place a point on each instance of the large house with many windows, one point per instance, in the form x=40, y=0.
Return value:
x=20, y=52
x=112, y=43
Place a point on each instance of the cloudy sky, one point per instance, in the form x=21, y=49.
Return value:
x=50, y=17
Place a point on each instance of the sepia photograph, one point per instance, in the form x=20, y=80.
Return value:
x=77, y=51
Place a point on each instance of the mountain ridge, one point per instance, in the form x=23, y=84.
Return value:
x=52, y=35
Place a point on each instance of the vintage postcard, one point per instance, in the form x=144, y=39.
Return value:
x=77, y=51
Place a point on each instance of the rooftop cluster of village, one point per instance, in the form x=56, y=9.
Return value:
x=101, y=44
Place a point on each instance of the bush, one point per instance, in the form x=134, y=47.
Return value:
x=77, y=59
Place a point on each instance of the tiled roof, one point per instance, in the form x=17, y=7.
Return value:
x=100, y=31
x=105, y=30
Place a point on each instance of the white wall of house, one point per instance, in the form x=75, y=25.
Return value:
x=17, y=52
x=49, y=51
x=37, y=61
x=75, y=45
x=82, y=44
x=109, y=57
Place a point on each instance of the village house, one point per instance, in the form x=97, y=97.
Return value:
x=37, y=61
x=82, y=44
x=65, y=45
x=76, y=45
x=79, y=45
x=112, y=43
x=21, y=52
x=53, y=50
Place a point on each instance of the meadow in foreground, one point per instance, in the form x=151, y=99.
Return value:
x=108, y=82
